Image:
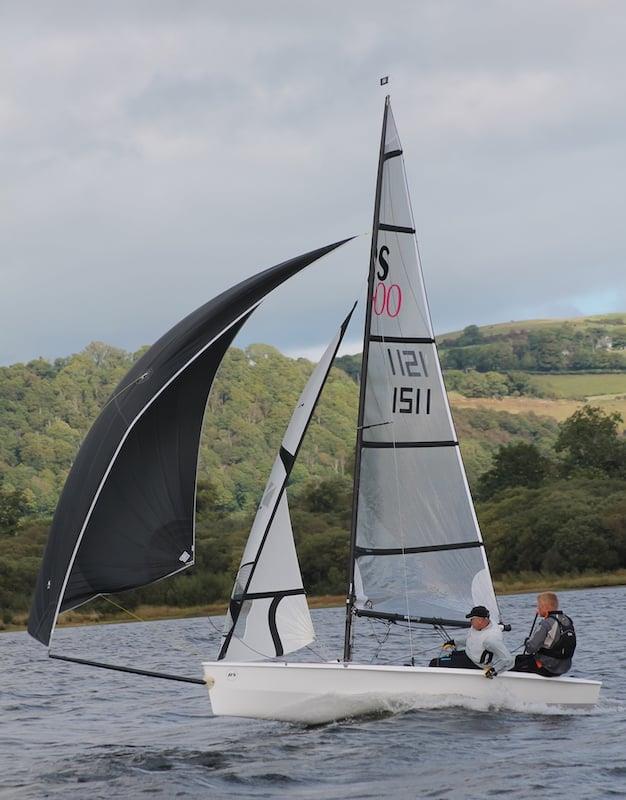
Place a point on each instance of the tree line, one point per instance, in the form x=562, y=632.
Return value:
x=562, y=347
x=560, y=509
x=561, y=512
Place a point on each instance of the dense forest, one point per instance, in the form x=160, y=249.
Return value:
x=46, y=408
x=551, y=497
x=598, y=343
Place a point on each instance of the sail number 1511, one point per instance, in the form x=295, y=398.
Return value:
x=408, y=363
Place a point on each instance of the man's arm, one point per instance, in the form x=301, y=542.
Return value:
x=537, y=640
x=502, y=658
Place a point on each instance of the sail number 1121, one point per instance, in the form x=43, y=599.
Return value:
x=408, y=364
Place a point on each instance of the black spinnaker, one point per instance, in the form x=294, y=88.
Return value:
x=125, y=517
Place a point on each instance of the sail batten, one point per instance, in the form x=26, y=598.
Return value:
x=396, y=551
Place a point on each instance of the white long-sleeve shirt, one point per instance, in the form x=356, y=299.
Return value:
x=486, y=648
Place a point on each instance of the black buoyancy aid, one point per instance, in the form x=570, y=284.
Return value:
x=565, y=643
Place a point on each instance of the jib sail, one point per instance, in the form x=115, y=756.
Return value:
x=268, y=614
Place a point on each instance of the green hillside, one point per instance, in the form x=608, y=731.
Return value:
x=573, y=345
x=47, y=407
x=615, y=322
x=543, y=367
x=582, y=386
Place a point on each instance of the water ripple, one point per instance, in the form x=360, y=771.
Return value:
x=72, y=732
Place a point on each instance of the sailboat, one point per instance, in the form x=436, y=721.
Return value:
x=417, y=558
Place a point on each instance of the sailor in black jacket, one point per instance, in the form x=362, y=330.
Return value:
x=550, y=648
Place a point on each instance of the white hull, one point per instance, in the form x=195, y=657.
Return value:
x=317, y=693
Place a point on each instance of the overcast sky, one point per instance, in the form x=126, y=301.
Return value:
x=153, y=153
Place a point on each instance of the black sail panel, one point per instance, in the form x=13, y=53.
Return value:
x=146, y=506
x=125, y=517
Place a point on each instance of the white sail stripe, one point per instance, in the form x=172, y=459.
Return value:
x=114, y=458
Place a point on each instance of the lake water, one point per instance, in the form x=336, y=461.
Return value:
x=68, y=731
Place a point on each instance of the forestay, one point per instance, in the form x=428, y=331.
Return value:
x=418, y=547
x=268, y=614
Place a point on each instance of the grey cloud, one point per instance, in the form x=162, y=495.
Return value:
x=155, y=152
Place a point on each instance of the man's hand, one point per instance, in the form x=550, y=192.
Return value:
x=449, y=645
x=490, y=673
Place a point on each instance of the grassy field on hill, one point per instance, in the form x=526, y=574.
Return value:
x=568, y=393
x=583, y=385
x=616, y=322
x=557, y=410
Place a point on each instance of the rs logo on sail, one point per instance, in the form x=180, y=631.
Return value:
x=386, y=300
x=384, y=264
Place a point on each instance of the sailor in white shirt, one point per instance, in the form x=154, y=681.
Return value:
x=485, y=644
x=484, y=647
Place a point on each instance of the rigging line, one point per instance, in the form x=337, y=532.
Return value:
x=427, y=322
x=427, y=319
x=439, y=631
x=256, y=652
x=442, y=381
x=444, y=633
x=424, y=318
x=321, y=656
x=326, y=651
x=183, y=645
x=387, y=623
x=381, y=642
x=140, y=379
x=399, y=500
x=265, y=655
x=121, y=608
x=214, y=626
x=418, y=653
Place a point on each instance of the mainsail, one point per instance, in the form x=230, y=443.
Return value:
x=268, y=614
x=417, y=550
x=126, y=514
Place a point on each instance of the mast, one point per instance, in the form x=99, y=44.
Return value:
x=350, y=596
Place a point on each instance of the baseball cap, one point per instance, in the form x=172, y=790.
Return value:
x=478, y=611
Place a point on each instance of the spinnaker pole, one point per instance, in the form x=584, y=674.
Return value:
x=350, y=594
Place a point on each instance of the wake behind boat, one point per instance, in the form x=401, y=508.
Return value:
x=126, y=514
